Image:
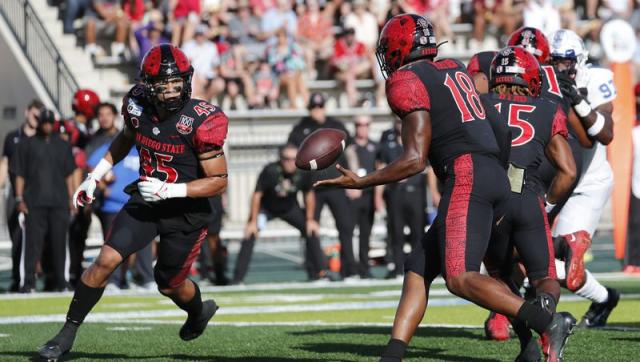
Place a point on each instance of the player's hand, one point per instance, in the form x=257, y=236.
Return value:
x=569, y=88
x=348, y=180
x=84, y=194
x=22, y=208
x=152, y=189
x=250, y=229
x=313, y=228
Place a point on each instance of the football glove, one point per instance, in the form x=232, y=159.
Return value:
x=569, y=88
x=153, y=190
x=84, y=194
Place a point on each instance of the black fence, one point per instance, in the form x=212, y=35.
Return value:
x=39, y=49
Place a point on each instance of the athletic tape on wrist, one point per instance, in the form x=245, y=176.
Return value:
x=582, y=109
x=101, y=169
x=597, y=126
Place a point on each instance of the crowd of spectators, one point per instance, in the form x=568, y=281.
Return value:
x=252, y=54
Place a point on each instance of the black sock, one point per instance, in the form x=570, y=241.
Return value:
x=84, y=298
x=547, y=302
x=194, y=306
x=394, y=351
x=534, y=317
x=524, y=334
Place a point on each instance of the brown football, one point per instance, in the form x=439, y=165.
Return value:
x=321, y=149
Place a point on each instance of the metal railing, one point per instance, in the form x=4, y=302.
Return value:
x=40, y=50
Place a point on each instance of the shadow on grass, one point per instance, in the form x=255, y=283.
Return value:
x=71, y=356
x=425, y=331
x=374, y=352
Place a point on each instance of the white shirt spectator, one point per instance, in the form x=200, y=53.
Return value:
x=366, y=27
x=204, y=57
x=541, y=14
x=278, y=17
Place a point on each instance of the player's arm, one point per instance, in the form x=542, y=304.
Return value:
x=416, y=138
x=559, y=154
x=214, y=165
x=254, y=209
x=596, y=122
x=117, y=151
x=409, y=99
x=578, y=130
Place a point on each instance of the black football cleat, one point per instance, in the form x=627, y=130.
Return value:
x=530, y=353
x=554, y=338
x=194, y=326
x=58, y=346
x=598, y=313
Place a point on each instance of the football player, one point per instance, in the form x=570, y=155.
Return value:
x=583, y=209
x=179, y=140
x=444, y=120
x=539, y=130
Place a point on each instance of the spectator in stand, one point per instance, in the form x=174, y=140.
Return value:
x=184, y=16
x=233, y=99
x=149, y=36
x=315, y=36
x=244, y=30
x=277, y=18
x=364, y=23
x=287, y=62
x=109, y=13
x=350, y=62
x=260, y=7
x=266, y=87
x=72, y=10
x=11, y=142
x=205, y=60
x=43, y=167
x=543, y=15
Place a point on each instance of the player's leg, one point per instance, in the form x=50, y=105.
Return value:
x=131, y=230
x=176, y=253
x=476, y=185
x=414, y=298
x=339, y=206
x=315, y=261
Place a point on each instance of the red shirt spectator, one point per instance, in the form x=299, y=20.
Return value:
x=314, y=27
x=184, y=7
x=134, y=9
x=348, y=52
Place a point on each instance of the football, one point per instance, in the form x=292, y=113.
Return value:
x=321, y=149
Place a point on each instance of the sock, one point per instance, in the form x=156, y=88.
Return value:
x=394, y=351
x=524, y=334
x=534, y=317
x=91, y=48
x=592, y=289
x=84, y=298
x=194, y=306
x=561, y=273
x=547, y=302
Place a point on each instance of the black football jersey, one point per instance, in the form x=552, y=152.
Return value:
x=169, y=149
x=458, y=119
x=533, y=122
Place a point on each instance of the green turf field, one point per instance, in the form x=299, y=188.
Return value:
x=296, y=322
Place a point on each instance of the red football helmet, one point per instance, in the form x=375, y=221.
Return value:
x=516, y=66
x=85, y=102
x=68, y=128
x=533, y=40
x=163, y=62
x=403, y=39
x=481, y=63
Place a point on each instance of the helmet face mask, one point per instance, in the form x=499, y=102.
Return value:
x=405, y=38
x=166, y=74
x=568, y=52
